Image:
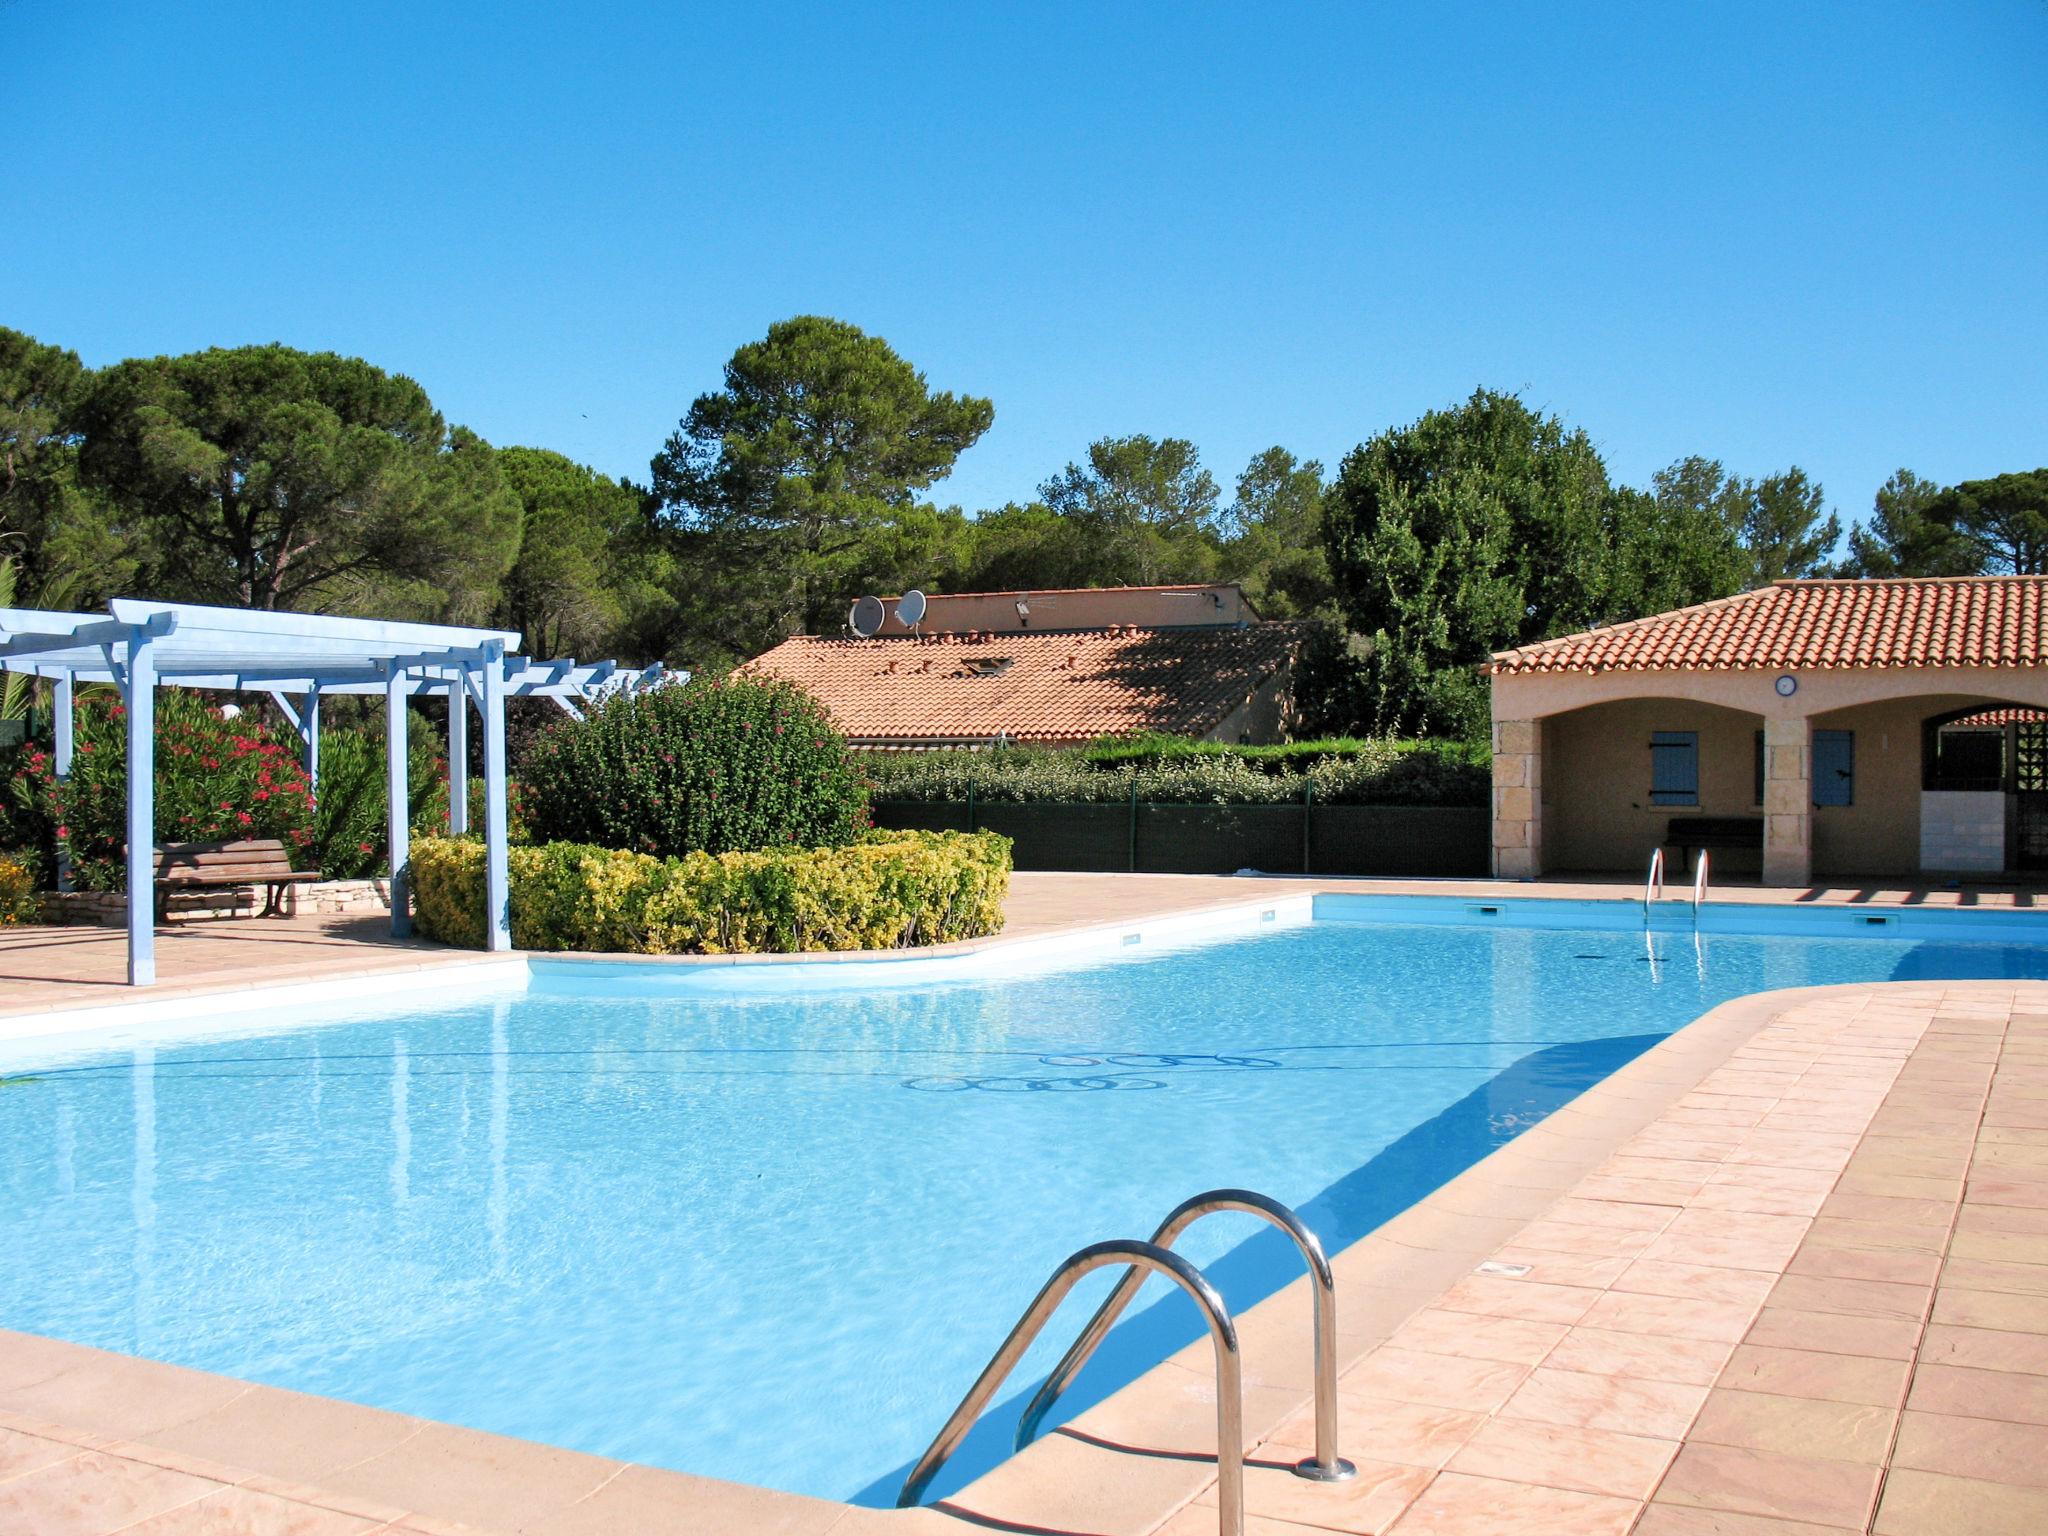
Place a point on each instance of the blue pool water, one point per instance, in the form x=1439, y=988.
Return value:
x=773, y=1236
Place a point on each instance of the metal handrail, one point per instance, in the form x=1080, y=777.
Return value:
x=1699, y=885
x=1326, y=1466
x=1653, y=887
x=1222, y=1333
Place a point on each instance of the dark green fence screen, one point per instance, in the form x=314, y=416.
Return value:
x=1292, y=839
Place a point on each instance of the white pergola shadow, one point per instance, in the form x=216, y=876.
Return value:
x=139, y=645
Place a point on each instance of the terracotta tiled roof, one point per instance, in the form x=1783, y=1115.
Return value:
x=1971, y=621
x=1043, y=686
x=1989, y=717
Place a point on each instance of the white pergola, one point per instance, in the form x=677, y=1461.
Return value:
x=298, y=659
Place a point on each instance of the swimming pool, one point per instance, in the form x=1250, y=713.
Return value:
x=766, y=1223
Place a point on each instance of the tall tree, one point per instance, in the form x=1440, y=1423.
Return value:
x=592, y=574
x=1783, y=528
x=68, y=553
x=1275, y=547
x=1477, y=527
x=264, y=477
x=2003, y=520
x=1668, y=551
x=1901, y=539
x=1144, y=506
x=807, y=462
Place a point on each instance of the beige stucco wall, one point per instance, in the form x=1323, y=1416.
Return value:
x=1595, y=772
x=1597, y=813
x=1880, y=833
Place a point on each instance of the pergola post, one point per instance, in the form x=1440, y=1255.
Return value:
x=309, y=736
x=65, y=728
x=458, y=753
x=497, y=872
x=141, y=692
x=396, y=799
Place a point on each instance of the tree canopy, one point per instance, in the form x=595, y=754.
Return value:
x=809, y=458
x=264, y=477
x=274, y=478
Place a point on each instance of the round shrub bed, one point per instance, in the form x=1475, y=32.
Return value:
x=894, y=890
x=718, y=764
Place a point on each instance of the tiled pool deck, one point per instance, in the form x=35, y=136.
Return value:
x=1786, y=1275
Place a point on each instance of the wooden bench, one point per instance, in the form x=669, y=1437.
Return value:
x=210, y=866
x=1686, y=833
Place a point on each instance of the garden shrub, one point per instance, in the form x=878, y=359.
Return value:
x=1382, y=772
x=890, y=891
x=18, y=883
x=349, y=825
x=216, y=779
x=715, y=765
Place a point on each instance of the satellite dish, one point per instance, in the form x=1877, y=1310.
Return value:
x=866, y=618
x=910, y=608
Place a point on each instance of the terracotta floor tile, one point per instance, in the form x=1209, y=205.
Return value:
x=20, y=1453
x=1572, y=1237
x=1987, y=1349
x=1630, y=1215
x=1993, y=1275
x=2003, y=1247
x=1594, y=1272
x=1369, y=1503
x=1795, y=1426
x=91, y=1494
x=1567, y=1456
x=1977, y=1217
x=1979, y=1394
x=1927, y=1504
x=1660, y=1410
x=1835, y=1333
x=1460, y=1505
x=1851, y=1207
x=1410, y=1434
x=1479, y=1337
x=1675, y=1316
x=1858, y=1298
x=1531, y=1299
x=1194, y=1520
x=238, y=1512
x=1436, y=1381
x=1819, y=1492
x=1881, y=1235
x=1867, y=1264
x=1644, y=1356
x=1698, y=1282
x=1681, y=1520
x=1812, y=1374
x=2015, y=1312
x=1983, y=1448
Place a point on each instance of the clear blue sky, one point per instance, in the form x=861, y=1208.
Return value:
x=1769, y=233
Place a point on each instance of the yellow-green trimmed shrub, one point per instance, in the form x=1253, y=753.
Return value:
x=18, y=900
x=896, y=890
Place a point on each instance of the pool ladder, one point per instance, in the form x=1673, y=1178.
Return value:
x=1653, y=884
x=1157, y=1257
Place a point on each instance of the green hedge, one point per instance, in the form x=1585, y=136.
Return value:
x=1348, y=773
x=893, y=891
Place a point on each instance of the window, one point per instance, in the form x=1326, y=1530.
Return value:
x=1834, y=767
x=1674, y=768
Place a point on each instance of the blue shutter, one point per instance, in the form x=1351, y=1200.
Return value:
x=1674, y=768
x=1834, y=767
